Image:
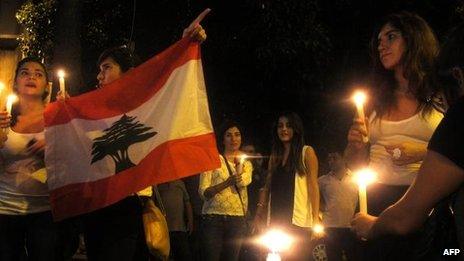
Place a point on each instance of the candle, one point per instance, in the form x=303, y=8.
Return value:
x=9, y=102
x=240, y=163
x=61, y=75
x=359, y=98
x=273, y=257
x=363, y=178
x=318, y=229
x=277, y=242
x=2, y=87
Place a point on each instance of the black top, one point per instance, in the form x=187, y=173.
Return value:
x=448, y=138
x=282, y=193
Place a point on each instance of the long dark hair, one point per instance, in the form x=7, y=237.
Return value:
x=294, y=161
x=15, y=110
x=122, y=55
x=418, y=62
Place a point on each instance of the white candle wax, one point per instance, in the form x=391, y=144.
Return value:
x=359, y=99
x=362, y=199
x=61, y=75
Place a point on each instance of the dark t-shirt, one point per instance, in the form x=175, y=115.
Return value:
x=448, y=138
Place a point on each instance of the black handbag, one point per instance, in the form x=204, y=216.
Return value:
x=438, y=233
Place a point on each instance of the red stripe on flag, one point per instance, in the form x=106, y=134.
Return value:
x=145, y=81
x=198, y=154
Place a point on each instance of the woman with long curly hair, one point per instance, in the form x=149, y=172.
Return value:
x=403, y=112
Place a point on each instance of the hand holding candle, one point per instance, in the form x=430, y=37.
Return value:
x=242, y=159
x=359, y=99
x=363, y=178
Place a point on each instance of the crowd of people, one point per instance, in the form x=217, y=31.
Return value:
x=414, y=143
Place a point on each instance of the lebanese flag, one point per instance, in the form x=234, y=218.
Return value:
x=148, y=127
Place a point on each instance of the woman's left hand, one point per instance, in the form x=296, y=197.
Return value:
x=362, y=224
x=195, y=30
x=37, y=147
x=60, y=96
x=406, y=152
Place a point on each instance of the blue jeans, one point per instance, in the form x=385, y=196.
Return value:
x=38, y=235
x=222, y=236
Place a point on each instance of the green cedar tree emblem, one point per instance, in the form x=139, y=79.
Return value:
x=116, y=140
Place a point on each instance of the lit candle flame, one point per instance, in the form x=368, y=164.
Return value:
x=318, y=229
x=365, y=177
x=243, y=157
x=12, y=98
x=359, y=98
x=276, y=240
x=61, y=74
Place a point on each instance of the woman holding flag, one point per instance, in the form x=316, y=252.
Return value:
x=116, y=232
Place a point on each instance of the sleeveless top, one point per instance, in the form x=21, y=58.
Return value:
x=23, y=187
x=383, y=132
x=290, y=203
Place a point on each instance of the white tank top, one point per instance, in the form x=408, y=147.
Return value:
x=382, y=132
x=302, y=209
x=23, y=187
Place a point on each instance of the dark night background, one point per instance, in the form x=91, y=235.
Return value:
x=263, y=56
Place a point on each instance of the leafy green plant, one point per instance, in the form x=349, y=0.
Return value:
x=38, y=21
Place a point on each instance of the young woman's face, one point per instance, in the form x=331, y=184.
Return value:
x=109, y=72
x=284, y=130
x=31, y=79
x=391, y=46
x=232, y=139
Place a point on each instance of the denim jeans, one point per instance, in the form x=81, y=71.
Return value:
x=222, y=236
x=34, y=237
x=180, y=246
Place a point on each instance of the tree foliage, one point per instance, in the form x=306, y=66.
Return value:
x=106, y=23
x=38, y=21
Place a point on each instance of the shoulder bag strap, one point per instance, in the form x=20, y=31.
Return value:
x=235, y=186
x=159, y=200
